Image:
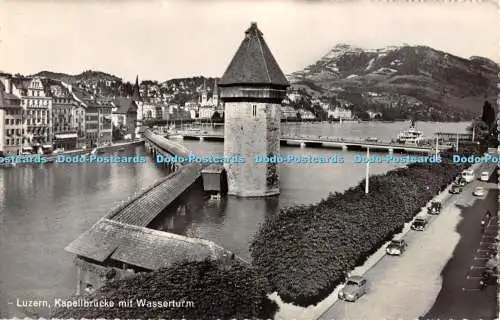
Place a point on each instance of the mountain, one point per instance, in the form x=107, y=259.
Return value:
x=88, y=75
x=425, y=80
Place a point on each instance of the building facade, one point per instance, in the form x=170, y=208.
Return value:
x=340, y=113
x=125, y=116
x=11, y=124
x=37, y=116
x=63, y=118
x=98, y=123
x=252, y=89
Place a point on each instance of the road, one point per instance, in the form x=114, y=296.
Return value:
x=406, y=287
x=460, y=297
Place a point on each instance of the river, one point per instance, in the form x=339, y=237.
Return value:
x=44, y=208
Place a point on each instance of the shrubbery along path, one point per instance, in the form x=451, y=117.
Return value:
x=306, y=251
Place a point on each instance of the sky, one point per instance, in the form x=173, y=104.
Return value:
x=160, y=40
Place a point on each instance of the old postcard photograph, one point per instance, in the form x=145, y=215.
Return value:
x=274, y=159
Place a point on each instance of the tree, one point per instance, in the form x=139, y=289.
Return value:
x=117, y=133
x=365, y=116
x=216, y=117
x=127, y=89
x=489, y=115
x=485, y=130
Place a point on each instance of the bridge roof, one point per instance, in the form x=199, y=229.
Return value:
x=141, y=210
x=253, y=63
x=167, y=145
x=142, y=247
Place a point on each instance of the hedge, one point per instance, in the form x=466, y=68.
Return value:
x=306, y=251
x=234, y=292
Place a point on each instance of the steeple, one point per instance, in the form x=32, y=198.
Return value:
x=215, y=87
x=253, y=63
x=204, y=93
x=136, y=96
x=215, y=94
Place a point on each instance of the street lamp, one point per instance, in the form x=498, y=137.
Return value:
x=367, y=170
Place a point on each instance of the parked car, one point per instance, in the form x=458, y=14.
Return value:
x=468, y=175
x=485, y=176
x=460, y=182
x=434, y=208
x=479, y=192
x=456, y=189
x=354, y=288
x=396, y=248
x=419, y=224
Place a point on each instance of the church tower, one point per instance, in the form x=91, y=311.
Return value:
x=204, y=94
x=136, y=96
x=215, y=94
x=252, y=89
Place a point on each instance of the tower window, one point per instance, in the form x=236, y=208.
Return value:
x=254, y=111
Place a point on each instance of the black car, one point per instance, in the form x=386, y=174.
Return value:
x=419, y=224
x=396, y=247
x=488, y=278
x=461, y=182
x=456, y=189
x=434, y=208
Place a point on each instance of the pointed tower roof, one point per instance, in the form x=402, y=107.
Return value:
x=135, y=93
x=253, y=63
x=215, y=87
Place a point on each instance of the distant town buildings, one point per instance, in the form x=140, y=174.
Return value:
x=340, y=113
x=39, y=114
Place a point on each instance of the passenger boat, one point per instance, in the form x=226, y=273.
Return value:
x=411, y=136
x=174, y=135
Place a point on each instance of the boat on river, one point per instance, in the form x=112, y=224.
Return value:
x=411, y=136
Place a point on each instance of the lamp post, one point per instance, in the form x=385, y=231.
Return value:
x=437, y=146
x=367, y=170
x=456, y=145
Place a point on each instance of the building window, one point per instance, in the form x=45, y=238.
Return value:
x=254, y=111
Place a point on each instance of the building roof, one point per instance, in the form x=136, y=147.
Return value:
x=253, y=63
x=125, y=105
x=21, y=82
x=140, y=246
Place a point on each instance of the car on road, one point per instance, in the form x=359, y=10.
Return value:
x=479, y=192
x=396, y=247
x=456, y=189
x=460, y=182
x=419, y=224
x=354, y=288
x=468, y=175
x=434, y=208
x=485, y=176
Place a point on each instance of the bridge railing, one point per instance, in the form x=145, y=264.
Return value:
x=363, y=141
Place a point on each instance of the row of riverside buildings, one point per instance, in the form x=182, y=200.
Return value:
x=38, y=115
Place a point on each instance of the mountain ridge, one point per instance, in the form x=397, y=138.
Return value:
x=436, y=80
